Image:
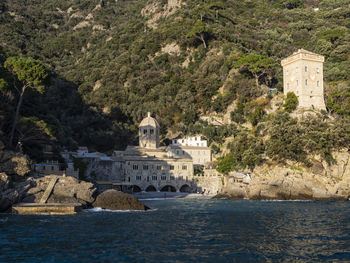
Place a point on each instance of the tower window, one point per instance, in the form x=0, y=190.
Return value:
x=144, y=131
x=305, y=68
x=306, y=82
x=151, y=131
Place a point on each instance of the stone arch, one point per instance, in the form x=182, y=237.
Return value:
x=151, y=188
x=168, y=188
x=136, y=189
x=186, y=189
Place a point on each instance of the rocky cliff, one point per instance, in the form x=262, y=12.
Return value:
x=322, y=181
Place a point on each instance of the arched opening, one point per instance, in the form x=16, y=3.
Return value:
x=136, y=189
x=186, y=189
x=151, y=188
x=168, y=188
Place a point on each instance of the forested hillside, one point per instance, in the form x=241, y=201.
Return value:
x=111, y=61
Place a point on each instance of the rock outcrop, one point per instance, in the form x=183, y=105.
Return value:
x=13, y=163
x=66, y=190
x=322, y=181
x=116, y=200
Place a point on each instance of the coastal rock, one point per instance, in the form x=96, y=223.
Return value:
x=13, y=163
x=66, y=190
x=5, y=181
x=116, y=200
x=322, y=181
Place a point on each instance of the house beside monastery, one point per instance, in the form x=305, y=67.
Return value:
x=194, y=148
x=303, y=75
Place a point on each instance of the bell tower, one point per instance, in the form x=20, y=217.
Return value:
x=149, y=133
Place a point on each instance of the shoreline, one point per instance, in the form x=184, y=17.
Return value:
x=170, y=195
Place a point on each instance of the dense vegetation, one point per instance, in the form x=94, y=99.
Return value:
x=109, y=62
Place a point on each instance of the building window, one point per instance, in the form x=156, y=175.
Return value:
x=145, y=167
x=144, y=131
x=181, y=177
x=306, y=82
x=135, y=167
x=305, y=68
x=138, y=177
x=318, y=83
x=159, y=167
x=171, y=167
x=51, y=168
x=151, y=131
x=172, y=178
x=154, y=178
x=184, y=167
x=287, y=73
x=310, y=97
x=297, y=82
x=183, y=152
x=163, y=178
x=297, y=70
x=177, y=151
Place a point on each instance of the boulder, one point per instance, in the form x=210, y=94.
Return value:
x=116, y=200
x=66, y=190
x=13, y=163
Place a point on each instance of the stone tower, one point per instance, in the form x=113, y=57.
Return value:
x=303, y=75
x=149, y=133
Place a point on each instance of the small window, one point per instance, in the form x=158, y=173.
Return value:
x=135, y=167
x=318, y=83
x=297, y=82
x=151, y=131
x=138, y=177
x=52, y=168
x=297, y=69
x=159, y=167
x=183, y=152
x=177, y=152
x=184, y=167
x=145, y=167
x=163, y=178
x=305, y=68
x=171, y=167
x=310, y=97
x=154, y=178
x=306, y=82
x=172, y=177
x=181, y=177
x=287, y=73
x=144, y=131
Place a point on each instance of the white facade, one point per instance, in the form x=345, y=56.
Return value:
x=303, y=75
x=191, y=141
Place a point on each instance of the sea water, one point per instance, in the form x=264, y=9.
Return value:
x=184, y=230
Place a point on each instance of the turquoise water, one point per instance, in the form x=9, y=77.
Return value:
x=184, y=230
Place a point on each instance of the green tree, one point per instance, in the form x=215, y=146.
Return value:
x=291, y=102
x=199, y=31
x=258, y=65
x=29, y=73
